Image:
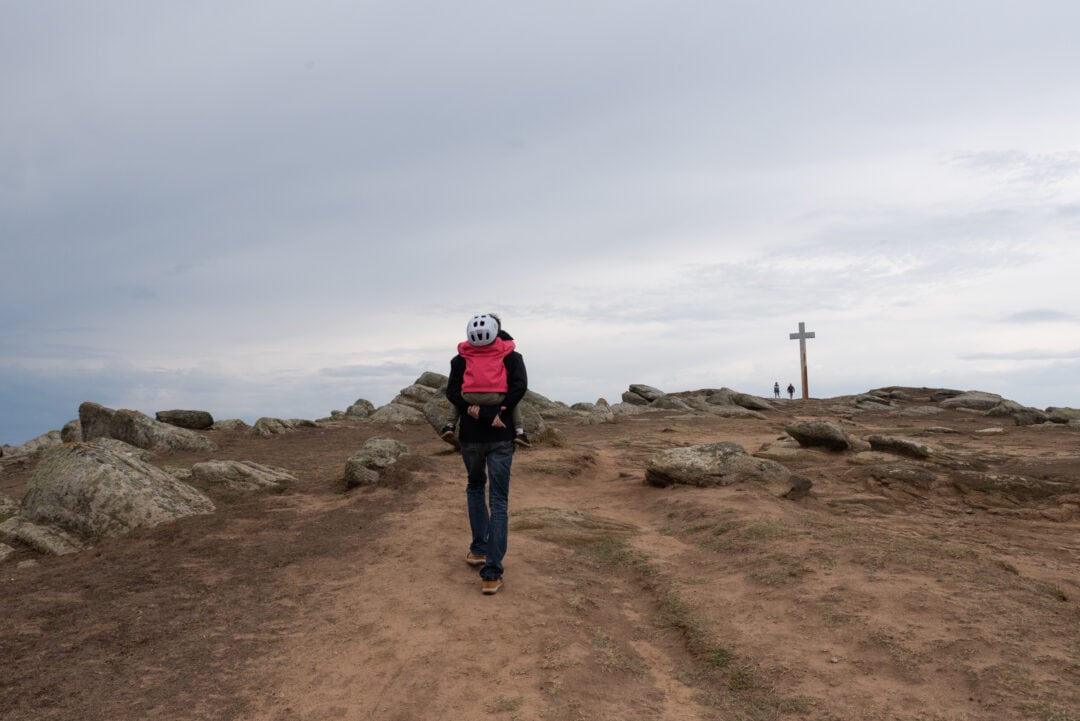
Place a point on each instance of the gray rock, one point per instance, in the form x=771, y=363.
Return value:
x=96, y=420
x=42, y=538
x=1016, y=487
x=601, y=413
x=628, y=409
x=729, y=397
x=8, y=506
x=973, y=401
x=231, y=424
x=1062, y=415
x=649, y=393
x=1021, y=415
x=95, y=491
x=800, y=488
x=819, y=434
x=920, y=411
x=872, y=403
x=397, y=413
x=633, y=399
x=127, y=449
x=783, y=450
x=71, y=432
x=360, y=409
x=669, y=402
x=138, y=429
x=363, y=467
x=5, y=551
x=432, y=380
x=901, y=446
x=943, y=394
x=241, y=475
x=716, y=464
x=192, y=420
x=414, y=396
x=734, y=412
x=905, y=474
x=45, y=440
x=275, y=426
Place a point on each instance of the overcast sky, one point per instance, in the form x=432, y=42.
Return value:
x=275, y=208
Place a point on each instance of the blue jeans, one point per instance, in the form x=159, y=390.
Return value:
x=488, y=463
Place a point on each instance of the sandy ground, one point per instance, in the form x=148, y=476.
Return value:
x=865, y=600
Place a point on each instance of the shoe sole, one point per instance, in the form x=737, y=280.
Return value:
x=491, y=591
x=476, y=561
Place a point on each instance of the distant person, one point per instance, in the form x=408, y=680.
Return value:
x=487, y=444
x=485, y=384
x=776, y=389
x=790, y=391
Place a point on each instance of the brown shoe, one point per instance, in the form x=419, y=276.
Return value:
x=489, y=588
x=474, y=560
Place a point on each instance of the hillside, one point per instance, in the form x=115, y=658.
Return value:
x=897, y=588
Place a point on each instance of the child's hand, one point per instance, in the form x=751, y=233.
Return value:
x=498, y=423
x=474, y=412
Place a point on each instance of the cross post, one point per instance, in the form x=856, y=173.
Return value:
x=801, y=336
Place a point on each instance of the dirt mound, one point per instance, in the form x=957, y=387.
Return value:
x=896, y=588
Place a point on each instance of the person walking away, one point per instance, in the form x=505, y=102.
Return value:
x=790, y=391
x=776, y=389
x=481, y=387
x=486, y=437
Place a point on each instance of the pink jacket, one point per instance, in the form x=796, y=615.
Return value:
x=484, y=369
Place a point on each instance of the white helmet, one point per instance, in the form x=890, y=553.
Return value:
x=482, y=329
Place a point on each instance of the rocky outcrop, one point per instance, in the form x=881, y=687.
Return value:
x=1063, y=415
x=275, y=426
x=42, y=538
x=821, y=434
x=648, y=393
x=192, y=420
x=364, y=466
x=137, y=429
x=8, y=506
x=231, y=424
x=900, y=446
x=95, y=491
x=1021, y=415
x=715, y=464
x=670, y=402
x=729, y=397
x=600, y=413
x=397, y=413
x=972, y=401
x=71, y=432
x=45, y=440
x=241, y=475
x=362, y=408
x=1012, y=487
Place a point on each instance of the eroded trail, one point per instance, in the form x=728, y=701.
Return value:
x=404, y=632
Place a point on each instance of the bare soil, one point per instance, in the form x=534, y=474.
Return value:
x=869, y=599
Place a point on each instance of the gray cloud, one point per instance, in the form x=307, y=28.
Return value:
x=295, y=189
x=1032, y=354
x=1040, y=315
x=1014, y=166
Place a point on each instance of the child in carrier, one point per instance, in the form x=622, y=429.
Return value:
x=485, y=375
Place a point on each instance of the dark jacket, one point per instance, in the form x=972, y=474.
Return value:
x=481, y=431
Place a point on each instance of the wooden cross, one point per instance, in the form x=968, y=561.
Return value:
x=801, y=336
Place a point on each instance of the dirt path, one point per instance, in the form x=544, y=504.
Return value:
x=622, y=601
